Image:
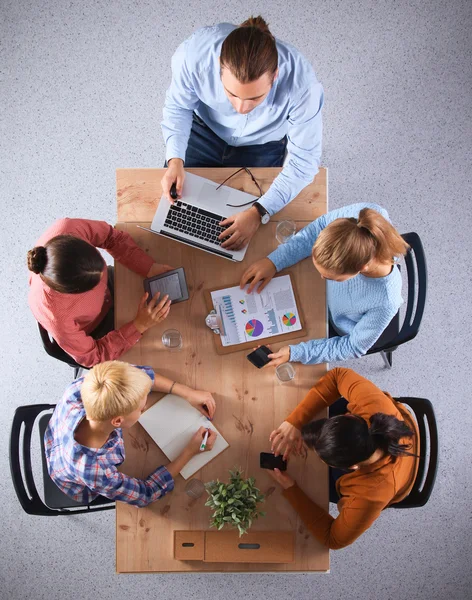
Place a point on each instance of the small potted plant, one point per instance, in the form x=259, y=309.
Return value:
x=234, y=503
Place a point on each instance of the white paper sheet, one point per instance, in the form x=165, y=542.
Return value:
x=171, y=423
x=250, y=317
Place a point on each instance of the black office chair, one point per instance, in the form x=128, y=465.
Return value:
x=428, y=452
x=394, y=335
x=55, y=501
x=53, y=349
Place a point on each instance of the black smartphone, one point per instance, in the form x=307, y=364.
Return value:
x=260, y=357
x=269, y=461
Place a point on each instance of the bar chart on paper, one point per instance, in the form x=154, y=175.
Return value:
x=272, y=320
x=250, y=317
x=228, y=317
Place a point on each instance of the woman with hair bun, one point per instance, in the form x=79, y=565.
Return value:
x=370, y=446
x=355, y=249
x=71, y=290
x=239, y=97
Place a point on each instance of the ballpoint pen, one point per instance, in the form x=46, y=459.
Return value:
x=205, y=440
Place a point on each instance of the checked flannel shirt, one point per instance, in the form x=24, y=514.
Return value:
x=83, y=473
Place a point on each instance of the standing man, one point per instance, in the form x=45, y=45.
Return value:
x=241, y=98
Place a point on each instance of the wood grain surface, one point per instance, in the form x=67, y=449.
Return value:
x=138, y=191
x=250, y=402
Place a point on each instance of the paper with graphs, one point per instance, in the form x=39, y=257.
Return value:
x=250, y=317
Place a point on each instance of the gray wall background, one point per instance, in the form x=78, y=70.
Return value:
x=82, y=91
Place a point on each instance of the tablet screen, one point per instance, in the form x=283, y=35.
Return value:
x=167, y=285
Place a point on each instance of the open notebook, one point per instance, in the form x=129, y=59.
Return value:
x=171, y=423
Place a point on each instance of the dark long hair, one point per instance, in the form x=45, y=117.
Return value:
x=250, y=51
x=347, y=440
x=67, y=264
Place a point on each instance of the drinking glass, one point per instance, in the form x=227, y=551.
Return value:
x=172, y=339
x=285, y=230
x=285, y=372
x=195, y=488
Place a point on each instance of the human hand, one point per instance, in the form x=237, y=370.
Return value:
x=286, y=439
x=174, y=173
x=202, y=401
x=153, y=313
x=282, y=478
x=240, y=228
x=193, y=446
x=157, y=269
x=260, y=272
x=278, y=358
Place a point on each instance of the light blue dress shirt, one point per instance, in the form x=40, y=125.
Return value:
x=292, y=108
x=360, y=308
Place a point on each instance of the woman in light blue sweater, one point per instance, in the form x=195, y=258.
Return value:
x=354, y=248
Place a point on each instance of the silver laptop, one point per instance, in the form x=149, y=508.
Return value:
x=194, y=219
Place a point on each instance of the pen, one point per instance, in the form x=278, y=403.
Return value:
x=205, y=440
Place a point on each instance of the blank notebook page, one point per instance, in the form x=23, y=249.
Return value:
x=171, y=423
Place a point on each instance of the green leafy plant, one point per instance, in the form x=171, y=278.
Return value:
x=234, y=503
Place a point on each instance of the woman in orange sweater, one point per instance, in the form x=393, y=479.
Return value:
x=371, y=451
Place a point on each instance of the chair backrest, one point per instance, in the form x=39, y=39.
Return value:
x=428, y=451
x=53, y=349
x=20, y=455
x=417, y=277
x=25, y=487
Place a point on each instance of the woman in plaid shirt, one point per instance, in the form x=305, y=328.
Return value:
x=84, y=441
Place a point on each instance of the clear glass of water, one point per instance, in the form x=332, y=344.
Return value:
x=195, y=488
x=285, y=230
x=285, y=372
x=172, y=339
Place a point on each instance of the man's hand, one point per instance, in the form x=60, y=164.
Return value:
x=151, y=314
x=261, y=272
x=286, y=439
x=278, y=358
x=241, y=228
x=282, y=478
x=175, y=173
x=157, y=269
x=202, y=401
x=197, y=439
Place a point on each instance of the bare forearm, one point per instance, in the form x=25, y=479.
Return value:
x=164, y=384
x=179, y=463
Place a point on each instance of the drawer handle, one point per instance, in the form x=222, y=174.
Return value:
x=188, y=544
x=249, y=546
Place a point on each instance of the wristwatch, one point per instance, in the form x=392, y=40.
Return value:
x=265, y=217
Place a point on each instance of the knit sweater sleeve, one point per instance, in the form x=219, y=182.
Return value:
x=356, y=515
x=353, y=345
x=322, y=395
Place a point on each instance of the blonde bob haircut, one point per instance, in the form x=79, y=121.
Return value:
x=113, y=389
x=345, y=246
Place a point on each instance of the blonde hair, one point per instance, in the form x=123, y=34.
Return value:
x=113, y=389
x=345, y=246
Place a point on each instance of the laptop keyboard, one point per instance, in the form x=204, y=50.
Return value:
x=195, y=221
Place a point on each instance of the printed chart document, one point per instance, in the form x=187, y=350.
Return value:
x=171, y=423
x=249, y=317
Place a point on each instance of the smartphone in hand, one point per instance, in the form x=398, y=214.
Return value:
x=259, y=357
x=269, y=461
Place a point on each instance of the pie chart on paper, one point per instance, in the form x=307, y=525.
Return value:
x=289, y=319
x=254, y=328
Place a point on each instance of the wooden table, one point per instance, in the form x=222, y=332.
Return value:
x=250, y=403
